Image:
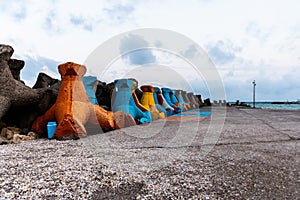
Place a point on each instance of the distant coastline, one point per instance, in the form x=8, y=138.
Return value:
x=278, y=105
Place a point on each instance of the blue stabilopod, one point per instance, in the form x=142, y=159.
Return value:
x=161, y=103
x=124, y=101
x=171, y=99
x=90, y=85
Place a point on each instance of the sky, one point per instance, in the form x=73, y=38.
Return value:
x=245, y=39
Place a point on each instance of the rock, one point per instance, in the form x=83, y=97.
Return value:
x=2, y=124
x=18, y=138
x=15, y=67
x=23, y=116
x=11, y=135
x=44, y=81
x=5, y=105
x=6, y=52
x=13, y=92
x=206, y=102
x=52, y=87
x=7, y=134
x=14, y=129
x=33, y=135
x=104, y=94
x=24, y=131
x=3, y=141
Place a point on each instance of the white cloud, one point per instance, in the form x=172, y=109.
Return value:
x=136, y=56
x=267, y=32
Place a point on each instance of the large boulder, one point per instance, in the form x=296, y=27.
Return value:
x=206, y=102
x=20, y=104
x=44, y=81
x=104, y=94
x=15, y=67
x=13, y=92
x=23, y=116
x=6, y=52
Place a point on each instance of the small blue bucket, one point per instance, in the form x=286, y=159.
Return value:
x=51, y=126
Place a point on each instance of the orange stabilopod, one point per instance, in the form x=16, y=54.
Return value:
x=73, y=109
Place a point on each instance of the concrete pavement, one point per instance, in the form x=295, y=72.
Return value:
x=255, y=148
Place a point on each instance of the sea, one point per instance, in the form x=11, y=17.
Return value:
x=269, y=105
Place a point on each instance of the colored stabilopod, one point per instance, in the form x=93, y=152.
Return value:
x=175, y=100
x=137, y=98
x=124, y=100
x=167, y=95
x=186, y=99
x=148, y=101
x=90, y=85
x=72, y=109
x=137, y=92
x=179, y=97
x=157, y=105
x=161, y=102
x=192, y=99
x=198, y=98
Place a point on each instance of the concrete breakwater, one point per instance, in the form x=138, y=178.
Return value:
x=77, y=100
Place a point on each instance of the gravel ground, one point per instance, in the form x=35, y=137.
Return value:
x=261, y=163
